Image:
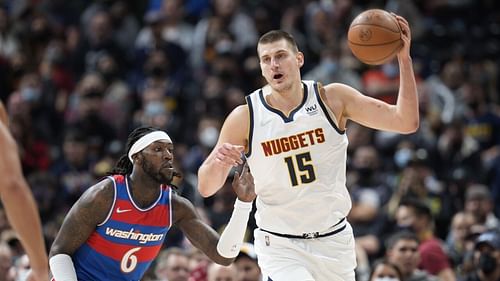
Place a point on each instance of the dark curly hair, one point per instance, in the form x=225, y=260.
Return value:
x=123, y=166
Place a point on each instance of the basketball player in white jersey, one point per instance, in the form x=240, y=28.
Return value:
x=293, y=135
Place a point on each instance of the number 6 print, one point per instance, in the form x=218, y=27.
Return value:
x=129, y=260
x=303, y=170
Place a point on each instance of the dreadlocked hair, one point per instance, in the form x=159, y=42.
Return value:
x=123, y=166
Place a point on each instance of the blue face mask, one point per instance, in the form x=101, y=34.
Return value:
x=402, y=157
x=30, y=94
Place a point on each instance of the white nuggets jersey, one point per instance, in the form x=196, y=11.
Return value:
x=298, y=163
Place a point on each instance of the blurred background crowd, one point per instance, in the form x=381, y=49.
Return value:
x=77, y=76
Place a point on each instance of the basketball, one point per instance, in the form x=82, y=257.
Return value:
x=374, y=37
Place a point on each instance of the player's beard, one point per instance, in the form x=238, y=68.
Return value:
x=158, y=175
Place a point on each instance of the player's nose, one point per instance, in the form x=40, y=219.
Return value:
x=168, y=155
x=275, y=63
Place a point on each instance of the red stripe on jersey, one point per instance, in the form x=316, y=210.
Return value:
x=119, y=179
x=117, y=251
x=125, y=212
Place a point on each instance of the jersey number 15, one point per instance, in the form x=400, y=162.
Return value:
x=300, y=168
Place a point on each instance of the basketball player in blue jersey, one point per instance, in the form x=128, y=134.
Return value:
x=20, y=206
x=293, y=135
x=117, y=227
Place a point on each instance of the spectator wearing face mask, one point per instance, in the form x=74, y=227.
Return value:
x=385, y=271
x=486, y=257
x=370, y=194
x=207, y=134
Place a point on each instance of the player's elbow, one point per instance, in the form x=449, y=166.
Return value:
x=204, y=190
x=411, y=127
x=205, y=185
x=407, y=125
x=14, y=187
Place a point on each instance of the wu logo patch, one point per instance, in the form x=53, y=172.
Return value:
x=311, y=110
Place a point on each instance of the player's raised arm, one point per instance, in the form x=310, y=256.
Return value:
x=227, y=152
x=402, y=117
x=90, y=210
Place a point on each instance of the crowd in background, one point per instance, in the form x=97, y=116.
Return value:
x=77, y=76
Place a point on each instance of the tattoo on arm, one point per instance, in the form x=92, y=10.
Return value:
x=89, y=211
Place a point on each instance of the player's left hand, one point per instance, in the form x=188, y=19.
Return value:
x=243, y=184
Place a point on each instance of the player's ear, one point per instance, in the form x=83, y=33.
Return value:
x=300, y=59
x=137, y=158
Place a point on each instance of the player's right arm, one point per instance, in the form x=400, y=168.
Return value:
x=90, y=210
x=224, y=248
x=227, y=152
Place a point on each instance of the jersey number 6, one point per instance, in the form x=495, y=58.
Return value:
x=301, y=169
x=129, y=260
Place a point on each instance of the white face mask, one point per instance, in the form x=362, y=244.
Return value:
x=208, y=137
x=385, y=279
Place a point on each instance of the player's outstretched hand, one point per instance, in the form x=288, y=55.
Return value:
x=229, y=155
x=243, y=184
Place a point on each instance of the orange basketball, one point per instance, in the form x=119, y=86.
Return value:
x=374, y=36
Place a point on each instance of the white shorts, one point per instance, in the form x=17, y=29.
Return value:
x=330, y=258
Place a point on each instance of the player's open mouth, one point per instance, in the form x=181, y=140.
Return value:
x=277, y=76
x=167, y=166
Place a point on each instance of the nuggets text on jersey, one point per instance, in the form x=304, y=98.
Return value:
x=300, y=140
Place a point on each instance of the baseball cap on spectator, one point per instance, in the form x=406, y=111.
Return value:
x=247, y=250
x=477, y=192
x=491, y=238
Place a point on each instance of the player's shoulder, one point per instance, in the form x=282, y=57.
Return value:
x=239, y=113
x=181, y=207
x=101, y=192
x=179, y=200
x=96, y=201
x=337, y=87
x=338, y=90
x=241, y=109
